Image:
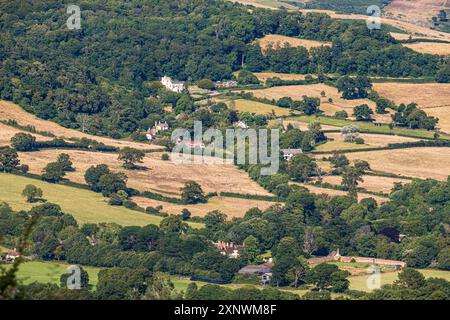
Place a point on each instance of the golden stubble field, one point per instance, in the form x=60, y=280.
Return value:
x=423, y=163
x=9, y=110
x=441, y=49
x=373, y=140
x=371, y=183
x=263, y=76
x=334, y=193
x=7, y=132
x=434, y=98
x=297, y=92
x=164, y=177
x=417, y=12
x=233, y=207
x=278, y=41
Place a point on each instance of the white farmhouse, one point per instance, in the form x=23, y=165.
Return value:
x=172, y=85
x=289, y=153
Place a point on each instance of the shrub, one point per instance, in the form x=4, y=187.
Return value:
x=165, y=157
x=130, y=204
x=23, y=142
x=206, y=84
x=359, y=141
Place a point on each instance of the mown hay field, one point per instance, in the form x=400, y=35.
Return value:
x=371, y=183
x=334, y=193
x=417, y=12
x=278, y=41
x=258, y=107
x=7, y=132
x=434, y=98
x=263, y=76
x=428, y=162
x=166, y=177
x=372, y=140
x=9, y=110
x=441, y=49
x=232, y=207
x=337, y=103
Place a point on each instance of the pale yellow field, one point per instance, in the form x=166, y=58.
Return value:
x=371, y=183
x=10, y=110
x=405, y=36
x=258, y=107
x=417, y=12
x=7, y=132
x=314, y=90
x=164, y=177
x=411, y=27
x=278, y=41
x=426, y=95
x=266, y=4
x=421, y=163
x=443, y=114
x=333, y=193
x=340, y=145
x=373, y=140
x=232, y=207
x=263, y=76
x=360, y=282
x=441, y=49
x=433, y=97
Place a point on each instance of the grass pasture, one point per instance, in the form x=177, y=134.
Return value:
x=418, y=12
x=360, y=282
x=255, y=107
x=9, y=110
x=50, y=272
x=86, y=206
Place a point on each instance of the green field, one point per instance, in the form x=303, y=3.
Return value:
x=369, y=127
x=49, y=272
x=360, y=282
x=86, y=206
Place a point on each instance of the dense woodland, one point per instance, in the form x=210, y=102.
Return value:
x=104, y=70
